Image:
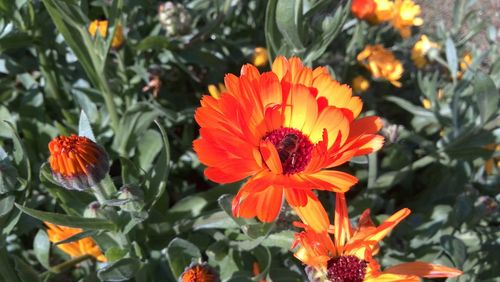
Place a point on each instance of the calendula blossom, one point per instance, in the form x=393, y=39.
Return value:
x=77, y=163
x=85, y=246
x=405, y=16
x=381, y=63
x=465, y=62
x=420, y=50
x=360, y=84
x=349, y=255
x=383, y=12
x=495, y=161
x=102, y=27
x=259, y=58
x=281, y=130
x=363, y=9
x=199, y=273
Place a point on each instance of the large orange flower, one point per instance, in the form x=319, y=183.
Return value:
x=282, y=129
x=85, y=246
x=349, y=256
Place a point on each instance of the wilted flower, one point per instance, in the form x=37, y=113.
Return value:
x=102, y=27
x=363, y=9
x=154, y=84
x=382, y=63
x=199, y=273
x=77, y=162
x=360, y=84
x=259, y=58
x=281, y=129
x=216, y=91
x=406, y=14
x=348, y=256
x=420, y=50
x=383, y=12
x=85, y=246
x=174, y=18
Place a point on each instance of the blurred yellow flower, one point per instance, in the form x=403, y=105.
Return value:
x=360, y=84
x=216, y=90
x=259, y=58
x=383, y=12
x=420, y=50
x=465, y=63
x=405, y=16
x=426, y=103
x=85, y=246
x=102, y=26
x=382, y=63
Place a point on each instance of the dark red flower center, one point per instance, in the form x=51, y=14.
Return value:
x=294, y=148
x=346, y=269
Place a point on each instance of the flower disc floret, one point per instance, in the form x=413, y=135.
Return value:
x=346, y=269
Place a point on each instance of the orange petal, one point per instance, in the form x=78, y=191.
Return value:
x=331, y=180
x=342, y=225
x=382, y=230
x=280, y=67
x=334, y=121
x=270, y=156
x=301, y=109
x=423, y=269
x=313, y=214
x=388, y=277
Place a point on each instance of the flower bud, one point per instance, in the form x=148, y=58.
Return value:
x=77, y=163
x=134, y=197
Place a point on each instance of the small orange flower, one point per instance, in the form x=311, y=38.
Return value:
x=259, y=58
x=199, y=273
x=216, y=90
x=465, y=63
x=102, y=27
x=382, y=63
x=383, y=12
x=77, y=162
x=426, y=103
x=420, y=50
x=363, y=9
x=281, y=129
x=360, y=84
x=493, y=162
x=85, y=246
x=349, y=256
x=405, y=16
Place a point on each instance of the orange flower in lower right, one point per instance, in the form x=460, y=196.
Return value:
x=348, y=257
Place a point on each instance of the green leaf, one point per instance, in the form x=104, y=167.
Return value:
x=41, y=248
x=84, y=127
x=77, y=237
x=6, y=205
x=149, y=146
x=264, y=260
x=154, y=43
x=455, y=248
x=416, y=110
x=273, y=35
x=20, y=158
x=451, y=57
x=288, y=14
x=159, y=174
x=123, y=269
x=487, y=96
x=180, y=254
x=6, y=267
x=70, y=221
x=115, y=253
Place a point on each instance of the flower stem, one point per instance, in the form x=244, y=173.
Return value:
x=69, y=264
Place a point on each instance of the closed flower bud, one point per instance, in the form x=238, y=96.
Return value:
x=134, y=197
x=92, y=210
x=174, y=18
x=77, y=163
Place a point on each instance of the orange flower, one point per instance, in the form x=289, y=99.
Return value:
x=102, y=26
x=420, y=50
x=259, y=58
x=85, y=246
x=199, y=273
x=383, y=12
x=363, y=9
x=465, y=63
x=281, y=129
x=382, y=63
x=349, y=256
x=406, y=14
x=494, y=161
x=77, y=162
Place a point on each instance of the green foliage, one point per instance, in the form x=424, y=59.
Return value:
x=159, y=213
